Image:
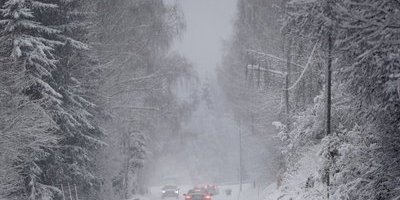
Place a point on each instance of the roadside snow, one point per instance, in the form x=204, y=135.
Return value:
x=294, y=183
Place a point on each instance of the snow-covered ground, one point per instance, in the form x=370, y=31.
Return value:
x=293, y=186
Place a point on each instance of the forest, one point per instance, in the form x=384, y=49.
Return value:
x=94, y=97
x=328, y=71
x=77, y=79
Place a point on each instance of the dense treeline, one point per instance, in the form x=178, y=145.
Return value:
x=80, y=83
x=134, y=38
x=358, y=160
x=362, y=149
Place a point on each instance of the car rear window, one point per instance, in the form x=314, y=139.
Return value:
x=170, y=187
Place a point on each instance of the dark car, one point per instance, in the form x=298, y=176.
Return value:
x=212, y=189
x=170, y=191
x=198, y=194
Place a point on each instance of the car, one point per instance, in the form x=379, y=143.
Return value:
x=170, y=191
x=212, y=189
x=228, y=191
x=197, y=194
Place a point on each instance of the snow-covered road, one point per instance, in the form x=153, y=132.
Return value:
x=248, y=193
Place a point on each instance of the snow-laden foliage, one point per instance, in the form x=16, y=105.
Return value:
x=68, y=66
x=46, y=122
x=370, y=36
x=358, y=160
x=350, y=155
x=359, y=156
x=354, y=164
x=308, y=130
x=27, y=124
x=257, y=96
x=132, y=40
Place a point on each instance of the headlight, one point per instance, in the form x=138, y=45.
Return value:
x=177, y=191
x=163, y=191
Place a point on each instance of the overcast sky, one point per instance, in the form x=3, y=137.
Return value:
x=208, y=23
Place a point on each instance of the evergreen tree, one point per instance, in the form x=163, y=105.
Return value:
x=365, y=94
x=28, y=62
x=369, y=68
x=48, y=64
x=132, y=40
x=79, y=133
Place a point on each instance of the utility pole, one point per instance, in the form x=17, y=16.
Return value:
x=240, y=157
x=328, y=85
x=328, y=73
x=252, y=122
x=287, y=80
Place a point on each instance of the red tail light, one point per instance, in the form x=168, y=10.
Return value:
x=188, y=197
x=207, y=197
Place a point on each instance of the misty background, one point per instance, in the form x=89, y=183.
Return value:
x=207, y=150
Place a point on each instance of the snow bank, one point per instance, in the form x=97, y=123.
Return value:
x=300, y=182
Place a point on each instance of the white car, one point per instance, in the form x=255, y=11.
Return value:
x=170, y=191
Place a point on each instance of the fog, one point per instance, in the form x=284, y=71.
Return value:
x=208, y=150
x=208, y=23
x=199, y=99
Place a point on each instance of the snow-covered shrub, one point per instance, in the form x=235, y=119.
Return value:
x=307, y=130
x=354, y=164
x=349, y=154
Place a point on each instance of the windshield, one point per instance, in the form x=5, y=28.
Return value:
x=170, y=187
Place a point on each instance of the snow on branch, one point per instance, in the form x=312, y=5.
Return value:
x=136, y=108
x=272, y=57
x=257, y=67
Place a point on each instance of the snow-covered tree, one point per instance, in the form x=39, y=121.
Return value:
x=364, y=95
x=365, y=91
x=38, y=51
x=76, y=79
x=27, y=62
x=132, y=40
x=369, y=38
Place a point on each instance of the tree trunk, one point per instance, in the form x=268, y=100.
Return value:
x=328, y=85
